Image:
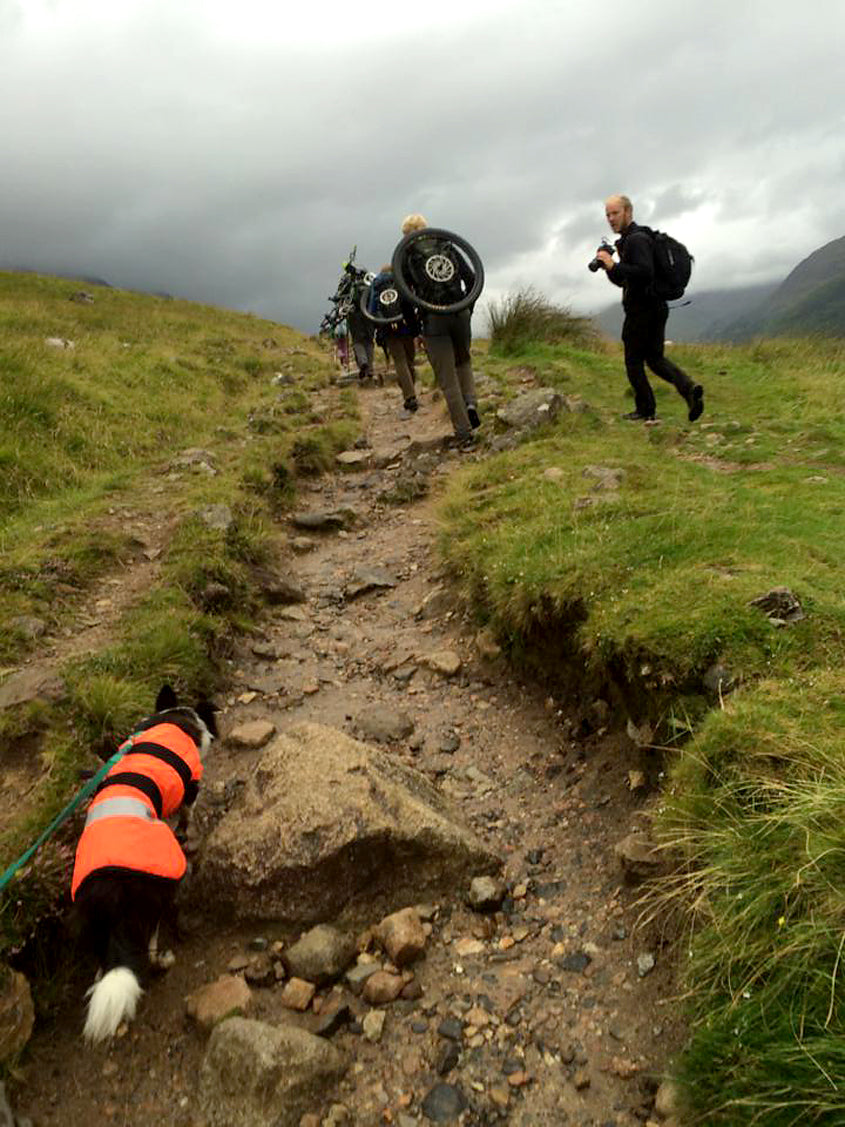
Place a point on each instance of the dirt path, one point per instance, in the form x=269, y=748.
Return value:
x=560, y=1024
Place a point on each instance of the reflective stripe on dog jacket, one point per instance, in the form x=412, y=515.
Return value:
x=124, y=828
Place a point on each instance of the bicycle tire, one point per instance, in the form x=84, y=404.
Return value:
x=364, y=303
x=403, y=284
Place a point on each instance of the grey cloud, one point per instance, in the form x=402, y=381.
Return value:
x=162, y=158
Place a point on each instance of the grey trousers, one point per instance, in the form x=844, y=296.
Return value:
x=363, y=350
x=402, y=352
x=447, y=342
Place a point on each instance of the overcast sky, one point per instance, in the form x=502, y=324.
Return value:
x=232, y=152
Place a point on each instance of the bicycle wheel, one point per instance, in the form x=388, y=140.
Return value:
x=427, y=269
x=388, y=306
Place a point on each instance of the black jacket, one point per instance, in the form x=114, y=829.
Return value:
x=634, y=271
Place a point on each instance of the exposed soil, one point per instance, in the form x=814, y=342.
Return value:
x=575, y=1033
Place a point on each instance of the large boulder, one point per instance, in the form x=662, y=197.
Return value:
x=532, y=409
x=327, y=826
x=259, y=1075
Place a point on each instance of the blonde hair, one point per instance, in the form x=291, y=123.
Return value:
x=413, y=222
x=624, y=200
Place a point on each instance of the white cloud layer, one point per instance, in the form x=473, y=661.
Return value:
x=233, y=153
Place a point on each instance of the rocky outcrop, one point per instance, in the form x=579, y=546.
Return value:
x=259, y=1075
x=327, y=825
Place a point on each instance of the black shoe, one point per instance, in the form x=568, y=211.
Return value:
x=468, y=443
x=411, y=404
x=637, y=417
x=472, y=415
x=695, y=399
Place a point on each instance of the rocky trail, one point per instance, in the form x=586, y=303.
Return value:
x=529, y=997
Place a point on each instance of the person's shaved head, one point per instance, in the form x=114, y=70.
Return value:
x=619, y=212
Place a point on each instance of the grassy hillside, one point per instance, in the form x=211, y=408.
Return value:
x=810, y=300
x=91, y=434
x=621, y=560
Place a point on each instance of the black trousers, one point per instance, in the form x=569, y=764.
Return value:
x=643, y=335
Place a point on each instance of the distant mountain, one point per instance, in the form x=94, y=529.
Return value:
x=810, y=300
x=703, y=318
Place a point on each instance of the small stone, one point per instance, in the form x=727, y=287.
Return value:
x=451, y=1028
x=373, y=1025
x=486, y=894
x=639, y=856
x=384, y=724
x=445, y=662
x=252, y=735
x=321, y=955
x=297, y=994
x=228, y=995
x=577, y=961
x=467, y=946
x=499, y=1095
x=382, y=987
x=444, y=1103
x=402, y=936
x=645, y=964
x=581, y=1079
x=667, y=1102
x=518, y=1079
x=356, y=976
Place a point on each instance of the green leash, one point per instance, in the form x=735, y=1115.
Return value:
x=84, y=793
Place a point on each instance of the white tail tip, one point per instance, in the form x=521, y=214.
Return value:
x=112, y=1000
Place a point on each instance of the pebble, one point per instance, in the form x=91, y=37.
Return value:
x=373, y=1025
x=297, y=994
x=645, y=964
x=444, y=1103
x=452, y=1028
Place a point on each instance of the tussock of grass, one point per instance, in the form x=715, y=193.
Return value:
x=636, y=590
x=526, y=317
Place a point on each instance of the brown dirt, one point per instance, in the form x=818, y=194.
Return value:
x=550, y=798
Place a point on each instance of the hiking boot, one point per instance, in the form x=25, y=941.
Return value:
x=695, y=400
x=637, y=417
x=411, y=404
x=468, y=443
x=472, y=415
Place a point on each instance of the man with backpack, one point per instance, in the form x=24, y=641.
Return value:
x=398, y=337
x=644, y=276
x=447, y=336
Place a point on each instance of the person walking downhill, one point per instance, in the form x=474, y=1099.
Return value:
x=644, y=328
x=447, y=338
x=398, y=337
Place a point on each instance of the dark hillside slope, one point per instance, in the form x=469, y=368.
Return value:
x=702, y=318
x=810, y=300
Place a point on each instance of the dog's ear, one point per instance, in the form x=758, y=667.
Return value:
x=206, y=710
x=166, y=699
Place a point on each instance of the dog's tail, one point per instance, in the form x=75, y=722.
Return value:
x=112, y=1000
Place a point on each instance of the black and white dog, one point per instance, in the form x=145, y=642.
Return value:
x=128, y=861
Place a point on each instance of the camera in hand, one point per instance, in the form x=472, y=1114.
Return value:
x=596, y=263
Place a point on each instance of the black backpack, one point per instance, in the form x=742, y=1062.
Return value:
x=672, y=265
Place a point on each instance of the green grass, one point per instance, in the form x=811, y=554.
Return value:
x=525, y=317
x=632, y=592
x=88, y=442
